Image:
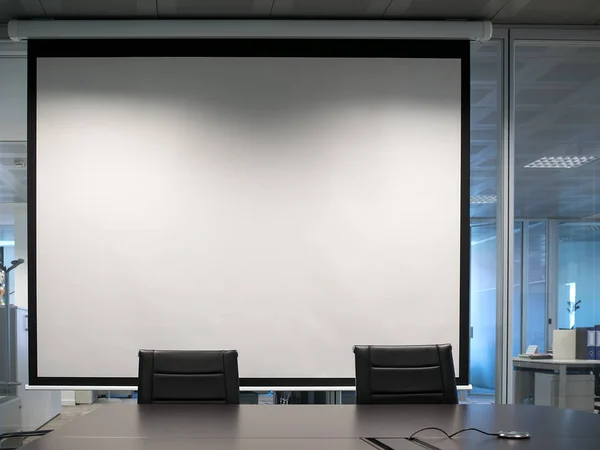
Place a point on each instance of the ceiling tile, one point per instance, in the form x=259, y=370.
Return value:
x=484, y=71
x=524, y=117
x=590, y=51
x=100, y=9
x=478, y=94
x=444, y=9
x=541, y=97
x=13, y=148
x=13, y=99
x=573, y=72
x=20, y=9
x=489, y=119
x=214, y=8
x=583, y=12
x=581, y=116
x=330, y=8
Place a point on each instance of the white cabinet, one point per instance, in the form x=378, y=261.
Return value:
x=38, y=406
x=579, y=391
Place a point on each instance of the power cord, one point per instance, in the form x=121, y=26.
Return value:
x=500, y=434
x=450, y=436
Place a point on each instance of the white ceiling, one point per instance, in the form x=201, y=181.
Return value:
x=500, y=11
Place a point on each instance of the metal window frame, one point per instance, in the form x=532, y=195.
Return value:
x=524, y=303
x=505, y=230
x=534, y=35
x=551, y=280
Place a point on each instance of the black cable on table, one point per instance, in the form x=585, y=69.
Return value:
x=474, y=429
x=450, y=436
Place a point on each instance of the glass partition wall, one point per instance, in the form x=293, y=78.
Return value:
x=16, y=412
x=486, y=148
x=555, y=95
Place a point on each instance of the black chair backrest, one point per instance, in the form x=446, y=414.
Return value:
x=188, y=376
x=405, y=374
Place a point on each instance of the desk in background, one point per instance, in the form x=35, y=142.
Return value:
x=525, y=369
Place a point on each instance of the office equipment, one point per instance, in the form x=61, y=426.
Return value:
x=531, y=350
x=591, y=343
x=514, y=435
x=170, y=376
x=247, y=427
x=405, y=374
x=563, y=344
x=597, y=329
x=532, y=353
x=264, y=158
x=581, y=341
x=525, y=371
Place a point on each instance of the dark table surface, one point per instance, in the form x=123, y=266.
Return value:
x=298, y=427
x=491, y=443
x=58, y=443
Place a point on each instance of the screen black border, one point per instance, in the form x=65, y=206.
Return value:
x=307, y=48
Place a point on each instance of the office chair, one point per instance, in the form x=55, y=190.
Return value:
x=405, y=374
x=180, y=376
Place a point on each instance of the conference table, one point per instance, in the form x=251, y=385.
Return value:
x=321, y=427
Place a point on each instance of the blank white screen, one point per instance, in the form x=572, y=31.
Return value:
x=288, y=208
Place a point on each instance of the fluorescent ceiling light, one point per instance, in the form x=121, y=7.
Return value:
x=483, y=199
x=560, y=162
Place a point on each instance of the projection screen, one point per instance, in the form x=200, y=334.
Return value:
x=288, y=202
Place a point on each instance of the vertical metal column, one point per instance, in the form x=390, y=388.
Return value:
x=524, y=283
x=551, y=281
x=505, y=221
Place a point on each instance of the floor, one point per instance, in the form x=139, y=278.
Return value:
x=70, y=413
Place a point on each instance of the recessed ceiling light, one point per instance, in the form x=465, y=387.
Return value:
x=560, y=162
x=483, y=199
